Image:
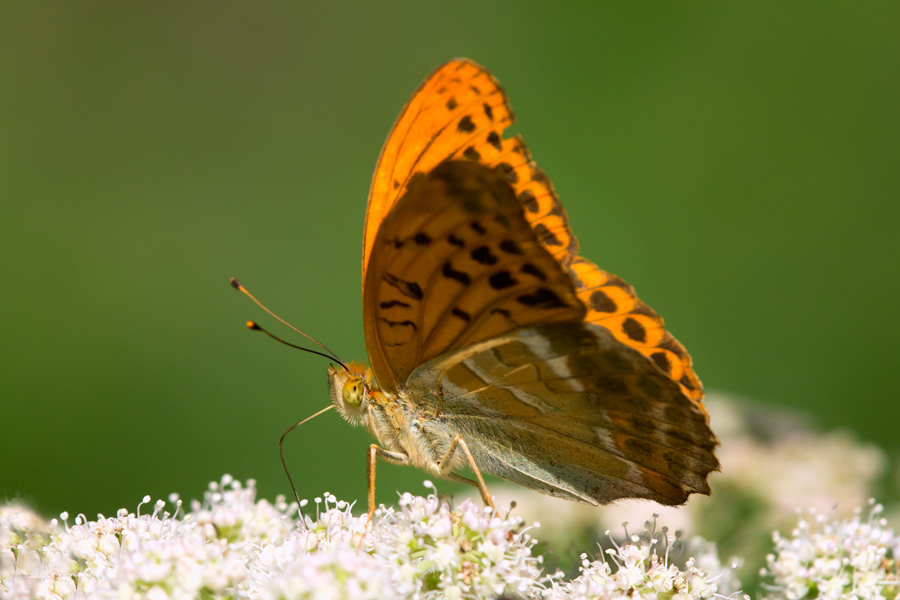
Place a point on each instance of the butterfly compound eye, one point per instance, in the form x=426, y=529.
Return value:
x=352, y=391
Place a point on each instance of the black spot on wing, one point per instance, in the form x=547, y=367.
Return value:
x=527, y=199
x=501, y=280
x=662, y=361
x=510, y=247
x=399, y=323
x=532, y=270
x=603, y=303
x=451, y=103
x=542, y=298
x=483, y=255
x=392, y=304
x=494, y=140
x=545, y=235
x=471, y=153
x=466, y=125
x=634, y=330
x=458, y=312
x=477, y=227
x=450, y=273
x=488, y=111
x=410, y=289
x=508, y=172
x=455, y=241
x=686, y=382
x=422, y=239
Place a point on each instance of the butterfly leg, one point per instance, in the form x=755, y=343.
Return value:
x=375, y=452
x=446, y=466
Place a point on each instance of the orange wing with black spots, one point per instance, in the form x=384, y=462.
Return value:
x=459, y=113
x=455, y=264
x=613, y=304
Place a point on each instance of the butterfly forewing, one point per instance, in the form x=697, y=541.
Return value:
x=454, y=263
x=459, y=105
x=459, y=113
x=529, y=401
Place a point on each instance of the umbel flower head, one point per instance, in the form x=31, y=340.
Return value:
x=421, y=550
x=232, y=545
x=827, y=558
x=646, y=568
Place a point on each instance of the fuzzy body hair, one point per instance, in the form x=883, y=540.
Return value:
x=398, y=424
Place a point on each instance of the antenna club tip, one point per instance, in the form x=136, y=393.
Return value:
x=253, y=325
x=236, y=284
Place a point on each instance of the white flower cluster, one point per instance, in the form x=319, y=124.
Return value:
x=157, y=555
x=234, y=546
x=832, y=559
x=422, y=550
x=645, y=569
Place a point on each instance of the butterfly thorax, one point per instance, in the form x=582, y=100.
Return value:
x=397, y=423
x=395, y=420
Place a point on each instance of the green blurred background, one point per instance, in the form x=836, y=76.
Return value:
x=738, y=163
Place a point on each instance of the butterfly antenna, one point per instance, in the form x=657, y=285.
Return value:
x=257, y=327
x=252, y=325
x=284, y=464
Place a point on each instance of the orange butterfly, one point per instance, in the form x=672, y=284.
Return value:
x=492, y=344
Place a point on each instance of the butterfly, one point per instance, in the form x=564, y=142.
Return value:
x=492, y=345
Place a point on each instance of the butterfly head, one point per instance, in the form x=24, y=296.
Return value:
x=350, y=392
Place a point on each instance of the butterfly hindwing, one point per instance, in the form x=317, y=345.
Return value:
x=530, y=400
x=454, y=263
